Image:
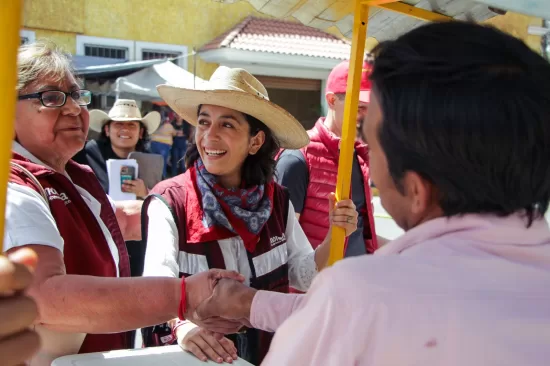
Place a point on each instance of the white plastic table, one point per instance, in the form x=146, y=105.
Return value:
x=165, y=356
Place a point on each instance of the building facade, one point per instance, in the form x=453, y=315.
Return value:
x=135, y=30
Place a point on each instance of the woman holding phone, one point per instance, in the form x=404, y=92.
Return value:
x=122, y=131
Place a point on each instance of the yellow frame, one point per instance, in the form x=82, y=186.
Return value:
x=414, y=12
x=343, y=184
x=10, y=19
x=360, y=25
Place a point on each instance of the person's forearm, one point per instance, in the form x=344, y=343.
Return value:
x=322, y=253
x=270, y=309
x=87, y=304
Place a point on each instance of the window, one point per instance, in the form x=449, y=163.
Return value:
x=151, y=50
x=109, y=52
x=152, y=54
x=129, y=50
x=27, y=36
x=105, y=47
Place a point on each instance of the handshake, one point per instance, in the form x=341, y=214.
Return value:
x=218, y=301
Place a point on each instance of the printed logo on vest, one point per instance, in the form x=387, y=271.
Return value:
x=53, y=195
x=276, y=240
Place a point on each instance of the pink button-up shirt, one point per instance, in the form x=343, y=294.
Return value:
x=463, y=291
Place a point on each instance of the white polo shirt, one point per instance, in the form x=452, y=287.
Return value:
x=29, y=220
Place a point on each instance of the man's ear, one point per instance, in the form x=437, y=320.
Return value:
x=420, y=192
x=330, y=97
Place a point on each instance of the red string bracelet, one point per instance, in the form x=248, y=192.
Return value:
x=181, y=308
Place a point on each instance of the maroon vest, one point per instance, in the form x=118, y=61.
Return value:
x=268, y=262
x=322, y=156
x=85, y=251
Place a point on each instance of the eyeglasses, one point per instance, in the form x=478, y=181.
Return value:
x=57, y=98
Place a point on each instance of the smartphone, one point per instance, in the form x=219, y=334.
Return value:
x=127, y=173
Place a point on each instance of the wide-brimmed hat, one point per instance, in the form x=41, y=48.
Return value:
x=237, y=89
x=124, y=110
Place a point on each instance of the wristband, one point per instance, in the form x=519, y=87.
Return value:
x=182, y=306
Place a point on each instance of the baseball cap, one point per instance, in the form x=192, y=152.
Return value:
x=338, y=80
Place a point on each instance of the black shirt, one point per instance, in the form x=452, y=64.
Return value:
x=95, y=154
x=292, y=172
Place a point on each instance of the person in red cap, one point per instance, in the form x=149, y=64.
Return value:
x=310, y=173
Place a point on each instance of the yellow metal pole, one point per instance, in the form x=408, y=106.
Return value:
x=414, y=12
x=10, y=18
x=377, y=2
x=343, y=183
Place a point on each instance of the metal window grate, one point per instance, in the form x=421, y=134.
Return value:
x=106, y=51
x=157, y=54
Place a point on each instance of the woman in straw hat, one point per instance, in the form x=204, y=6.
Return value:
x=58, y=209
x=122, y=131
x=226, y=211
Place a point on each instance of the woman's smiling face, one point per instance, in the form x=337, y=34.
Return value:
x=224, y=141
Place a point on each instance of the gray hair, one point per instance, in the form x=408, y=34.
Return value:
x=39, y=60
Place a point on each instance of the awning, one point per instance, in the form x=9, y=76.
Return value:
x=388, y=20
x=107, y=69
x=82, y=62
x=142, y=85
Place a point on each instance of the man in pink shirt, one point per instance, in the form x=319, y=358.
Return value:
x=459, y=136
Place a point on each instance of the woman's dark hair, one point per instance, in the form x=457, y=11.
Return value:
x=257, y=169
x=141, y=145
x=468, y=108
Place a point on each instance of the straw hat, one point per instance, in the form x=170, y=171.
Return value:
x=124, y=110
x=237, y=89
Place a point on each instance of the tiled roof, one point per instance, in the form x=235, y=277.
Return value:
x=280, y=36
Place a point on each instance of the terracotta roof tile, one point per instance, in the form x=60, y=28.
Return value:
x=280, y=36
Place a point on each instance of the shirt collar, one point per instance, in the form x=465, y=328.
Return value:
x=486, y=230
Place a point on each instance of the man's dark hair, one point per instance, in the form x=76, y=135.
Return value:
x=257, y=169
x=141, y=145
x=468, y=108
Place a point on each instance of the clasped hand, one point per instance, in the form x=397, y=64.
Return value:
x=219, y=303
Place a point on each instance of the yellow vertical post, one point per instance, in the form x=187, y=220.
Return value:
x=360, y=22
x=10, y=18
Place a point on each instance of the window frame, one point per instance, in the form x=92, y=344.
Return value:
x=162, y=47
x=83, y=41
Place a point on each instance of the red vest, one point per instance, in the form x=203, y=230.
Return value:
x=85, y=251
x=322, y=156
x=268, y=262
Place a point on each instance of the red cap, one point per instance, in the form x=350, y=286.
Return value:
x=338, y=80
